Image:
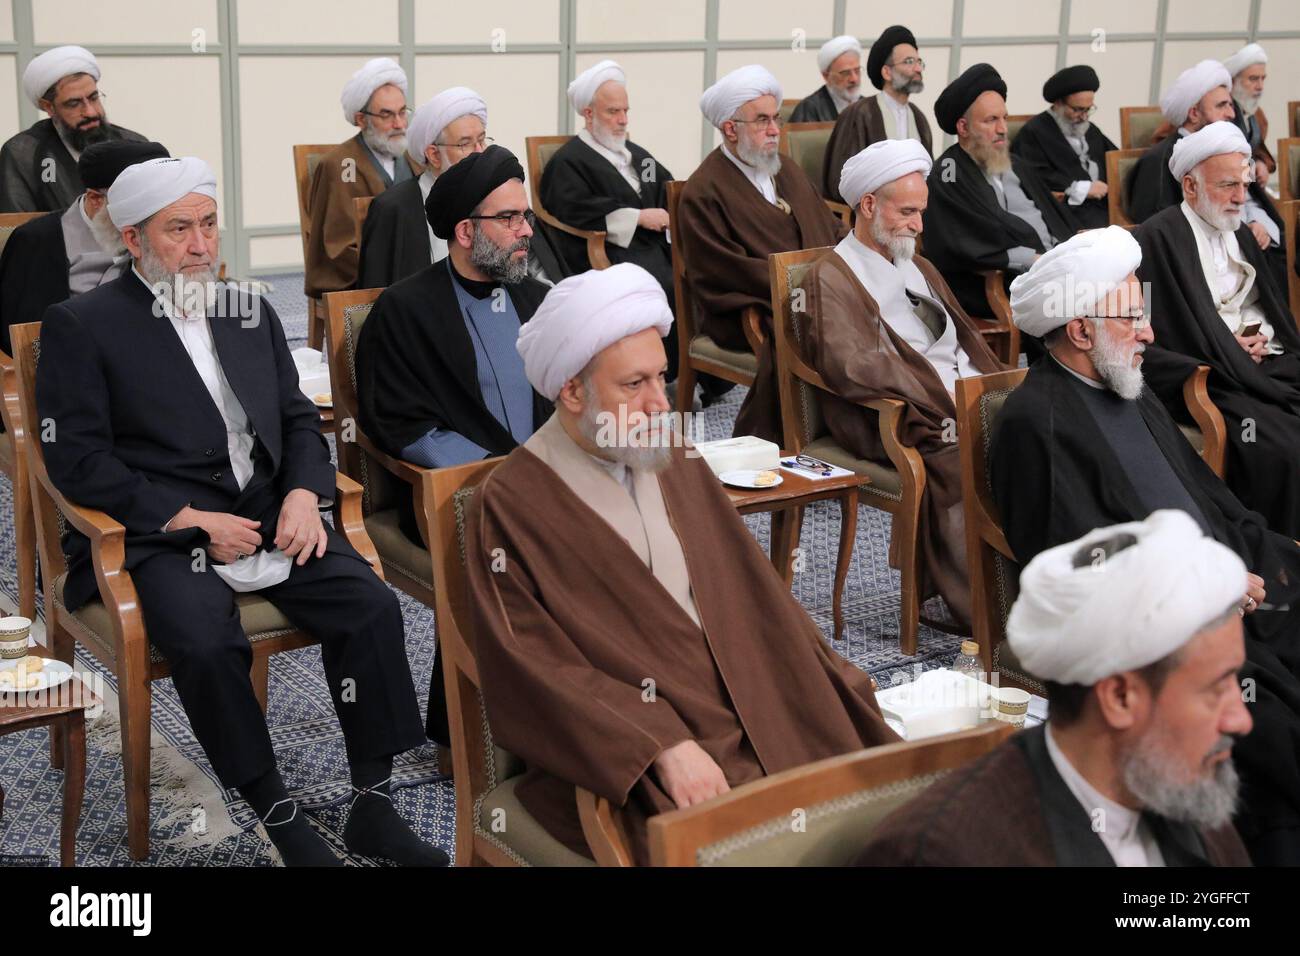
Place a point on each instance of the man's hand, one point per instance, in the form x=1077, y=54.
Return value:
x=1254, y=593
x=689, y=775
x=1260, y=233
x=230, y=537
x=1254, y=345
x=300, y=530
x=1098, y=190
x=654, y=219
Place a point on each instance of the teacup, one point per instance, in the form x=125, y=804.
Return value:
x=13, y=637
x=1010, y=705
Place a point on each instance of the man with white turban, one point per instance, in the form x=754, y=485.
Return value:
x=882, y=324
x=38, y=165
x=740, y=205
x=374, y=100
x=605, y=564
x=1081, y=444
x=177, y=411
x=1216, y=300
x=601, y=180
x=895, y=68
x=1136, y=632
x=1249, y=69
x=839, y=61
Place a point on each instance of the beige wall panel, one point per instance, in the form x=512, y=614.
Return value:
x=317, y=21
x=1279, y=15
x=520, y=90
x=1024, y=68
x=797, y=70
x=1181, y=54
x=866, y=19
x=775, y=19
x=89, y=22
x=272, y=120
x=274, y=252
x=1283, y=85
x=6, y=21
x=1207, y=16
x=999, y=18
x=1113, y=16
x=599, y=21
x=9, y=94
x=664, y=96
x=1125, y=72
x=520, y=21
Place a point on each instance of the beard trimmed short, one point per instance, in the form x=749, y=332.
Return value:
x=381, y=144
x=1219, y=218
x=769, y=163
x=1158, y=784
x=902, y=84
x=650, y=458
x=498, y=263
x=1115, y=365
x=900, y=248
x=199, y=288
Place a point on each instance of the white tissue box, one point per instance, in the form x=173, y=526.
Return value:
x=743, y=452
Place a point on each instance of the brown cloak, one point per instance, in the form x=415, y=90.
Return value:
x=863, y=359
x=860, y=125
x=729, y=230
x=568, y=632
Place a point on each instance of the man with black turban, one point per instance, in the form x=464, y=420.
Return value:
x=64, y=254
x=988, y=209
x=1066, y=150
x=439, y=381
x=895, y=68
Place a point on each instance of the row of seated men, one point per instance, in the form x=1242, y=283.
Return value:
x=537, y=368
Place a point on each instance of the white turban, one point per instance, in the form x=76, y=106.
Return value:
x=1212, y=140
x=376, y=73
x=583, y=90
x=440, y=112
x=141, y=190
x=721, y=100
x=832, y=50
x=1068, y=281
x=53, y=65
x=585, y=314
x=882, y=163
x=1248, y=55
x=1192, y=84
x=1084, y=614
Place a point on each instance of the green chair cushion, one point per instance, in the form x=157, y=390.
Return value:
x=702, y=346
x=885, y=481
x=521, y=836
x=396, y=548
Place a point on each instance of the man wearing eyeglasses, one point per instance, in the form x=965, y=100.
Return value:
x=1066, y=150
x=38, y=166
x=840, y=63
x=374, y=100
x=896, y=69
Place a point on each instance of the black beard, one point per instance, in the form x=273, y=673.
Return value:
x=498, y=263
x=79, y=139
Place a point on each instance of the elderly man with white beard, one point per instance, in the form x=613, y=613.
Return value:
x=374, y=100
x=176, y=410
x=1214, y=301
x=1136, y=631
x=1082, y=444
x=1248, y=68
x=840, y=63
x=882, y=323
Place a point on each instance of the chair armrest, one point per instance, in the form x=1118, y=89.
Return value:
x=996, y=294
x=1214, y=431
x=751, y=323
x=604, y=838
x=907, y=461
x=349, y=520
x=594, y=238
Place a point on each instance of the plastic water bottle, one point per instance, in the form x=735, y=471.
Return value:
x=968, y=661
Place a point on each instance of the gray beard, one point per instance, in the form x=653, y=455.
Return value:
x=1207, y=802
x=1115, y=366
x=613, y=142
x=1218, y=218
x=496, y=262
x=993, y=161
x=902, y=84
x=381, y=144
x=1077, y=130
x=900, y=248
x=1248, y=104
x=769, y=163
x=649, y=459
x=199, y=289
x=844, y=98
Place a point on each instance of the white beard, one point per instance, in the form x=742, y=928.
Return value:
x=1207, y=801
x=106, y=235
x=614, y=142
x=1216, y=217
x=769, y=163
x=1115, y=365
x=900, y=248
x=1247, y=102
x=190, y=295
x=383, y=145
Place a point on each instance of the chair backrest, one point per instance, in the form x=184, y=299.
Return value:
x=839, y=801
x=361, y=209
x=994, y=577
x=305, y=158
x=1015, y=124
x=797, y=381
x=540, y=149
x=346, y=313
x=805, y=143
x=684, y=298
x=787, y=108
x=1288, y=168
x=9, y=221
x=1119, y=163
x=1137, y=125
x=1290, y=211
x=1293, y=118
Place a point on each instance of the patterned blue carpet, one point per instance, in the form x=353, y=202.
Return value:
x=308, y=743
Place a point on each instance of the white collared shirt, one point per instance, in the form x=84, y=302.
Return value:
x=1124, y=832
x=761, y=181
x=437, y=247
x=900, y=112
x=1230, y=269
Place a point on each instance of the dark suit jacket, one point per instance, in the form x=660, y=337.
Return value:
x=137, y=435
x=33, y=273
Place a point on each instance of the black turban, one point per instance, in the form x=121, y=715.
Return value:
x=101, y=163
x=456, y=192
x=882, y=48
x=954, y=101
x=1071, y=80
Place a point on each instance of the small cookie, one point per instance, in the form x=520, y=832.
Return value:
x=765, y=478
x=34, y=663
x=6, y=678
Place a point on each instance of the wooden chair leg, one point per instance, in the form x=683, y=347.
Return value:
x=74, y=784
x=315, y=324
x=25, y=545
x=134, y=697
x=786, y=525
x=685, y=397
x=848, y=536
x=260, y=673
x=908, y=565
x=2, y=801
x=61, y=647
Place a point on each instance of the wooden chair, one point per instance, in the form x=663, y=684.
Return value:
x=994, y=575
x=786, y=109
x=112, y=627
x=305, y=158
x=1015, y=123
x=698, y=352
x=841, y=800
x=897, y=488
x=540, y=150
x=805, y=144
x=1290, y=211
x=1119, y=164
x=1293, y=118
x=1137, y=125
x=361, y=209
x=1288, y=169
x=13, y=454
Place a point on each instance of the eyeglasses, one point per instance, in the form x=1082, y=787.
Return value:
x=78, y=104
x=388, y=115
x=910, y=61
x=849, y=73
x=1080, y=110
x=1139, y=321
x=467, y=143
x=513, y=219
x=763, y=121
